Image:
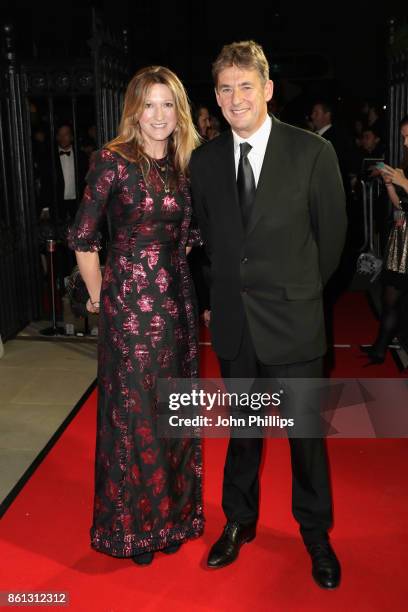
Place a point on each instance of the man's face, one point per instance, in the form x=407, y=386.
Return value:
x=319, y=117
x=64, y=137
x=369, y=141
x=242, y=97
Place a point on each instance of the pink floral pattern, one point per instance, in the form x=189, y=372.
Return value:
x=147, y=489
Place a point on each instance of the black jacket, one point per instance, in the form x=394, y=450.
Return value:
x=273, y=273
x=48, y=176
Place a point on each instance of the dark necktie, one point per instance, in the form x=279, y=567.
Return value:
x=245, y=183
x=65, y=153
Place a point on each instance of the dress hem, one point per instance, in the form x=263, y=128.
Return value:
x=146, y=542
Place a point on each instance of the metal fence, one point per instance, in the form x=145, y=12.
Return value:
x=93, y=86
x=397, y=89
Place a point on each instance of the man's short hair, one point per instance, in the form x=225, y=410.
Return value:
x=64, y=124
x=246, y=54
x=327, y=106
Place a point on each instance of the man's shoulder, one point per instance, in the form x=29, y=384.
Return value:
x=298, y=135
x=207, y=149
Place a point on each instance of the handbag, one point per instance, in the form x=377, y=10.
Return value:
x=369, y=264
x=78, y=293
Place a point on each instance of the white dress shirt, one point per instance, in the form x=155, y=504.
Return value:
x=324, y=129
x=68, y=170
x=258, y=140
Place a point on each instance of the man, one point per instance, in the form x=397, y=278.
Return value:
x=61, y=188
x=322, y=122
x=69, y=179
x=68, y=166
x=270, y=203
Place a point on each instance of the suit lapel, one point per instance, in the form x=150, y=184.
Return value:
x=271, y=177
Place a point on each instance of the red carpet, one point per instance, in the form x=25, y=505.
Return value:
x=45, y=540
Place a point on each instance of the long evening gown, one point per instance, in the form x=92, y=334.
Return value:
x=147, y=489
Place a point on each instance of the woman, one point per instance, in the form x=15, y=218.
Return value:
x=395, y=273
x=147, y=489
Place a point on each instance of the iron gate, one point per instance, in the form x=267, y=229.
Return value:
x=55, y=89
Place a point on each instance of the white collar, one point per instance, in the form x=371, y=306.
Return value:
x=258, y=138
x=324, y=129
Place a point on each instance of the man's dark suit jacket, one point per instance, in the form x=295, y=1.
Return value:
x=47, y=197
x=273, y=273
x=343, y=146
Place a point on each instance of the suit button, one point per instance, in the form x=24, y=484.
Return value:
x=244, y=260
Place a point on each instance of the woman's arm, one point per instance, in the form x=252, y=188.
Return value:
x=89, y=267
x=84, y=236
x=392, y=194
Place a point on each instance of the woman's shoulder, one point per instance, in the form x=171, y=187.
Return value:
x=103, y=158
x=107, y=155
x=113, y=160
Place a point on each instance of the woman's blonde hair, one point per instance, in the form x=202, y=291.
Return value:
x=129, y=141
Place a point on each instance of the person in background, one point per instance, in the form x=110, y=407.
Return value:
x=324, y=124
x=71, y=168
x=371, y=144
x=202, y=121
x=215, y=127
x=88, y=142
x=395, y=273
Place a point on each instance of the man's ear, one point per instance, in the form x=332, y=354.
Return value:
x=217, y=96
x=268, y=90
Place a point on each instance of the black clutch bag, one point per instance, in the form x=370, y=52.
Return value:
x=78, y=293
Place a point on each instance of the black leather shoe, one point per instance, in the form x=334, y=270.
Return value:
x=226, y=549
x=144, y=558
x=326, y=568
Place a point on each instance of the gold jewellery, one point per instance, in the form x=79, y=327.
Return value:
x=160, y=169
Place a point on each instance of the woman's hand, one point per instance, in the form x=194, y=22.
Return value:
x=92, y=306
x=207, y=317
x=188, y=250
x=386, y=175
x=395, y=176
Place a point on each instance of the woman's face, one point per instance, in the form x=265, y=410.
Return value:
x=404, y=134
x=159, y=117
x=203, y=121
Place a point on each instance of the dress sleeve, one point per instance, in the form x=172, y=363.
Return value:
x=194, y=235
x=84, y=234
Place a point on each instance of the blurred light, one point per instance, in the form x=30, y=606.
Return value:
x=385, y=107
